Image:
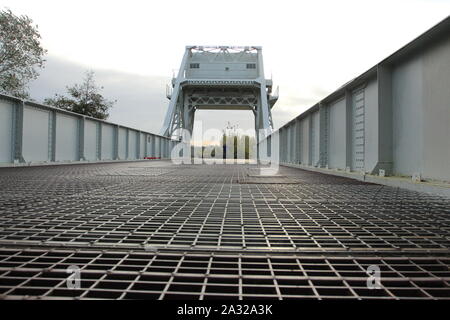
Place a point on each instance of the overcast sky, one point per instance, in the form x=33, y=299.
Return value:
x=310, y=47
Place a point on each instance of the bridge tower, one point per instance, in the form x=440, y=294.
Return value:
x=219, y=78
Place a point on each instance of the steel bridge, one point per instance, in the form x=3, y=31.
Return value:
x=364, y=184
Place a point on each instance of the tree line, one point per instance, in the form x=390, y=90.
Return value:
x=21, y=59
x=232, y=146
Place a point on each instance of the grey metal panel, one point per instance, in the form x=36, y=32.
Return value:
x=358, y=130
x=316, y=138
x=6, y=131
x=296, y=141
x=36, y=134
x=90, y=140
x=157, y=146
x=293, y=142
x=371, y=126
x=143, y=143
x=337, y=140
x=436, y=112
x=305, y=140
x=166, y=148
x=150, y=146
x=132, y=144
x=107, y=142
x=288, y=143
x=298, y=144
x=163, y=148
x=153, y=145
x=122, y=143
x=407, y=117
x=66, y=138
x=312, y=134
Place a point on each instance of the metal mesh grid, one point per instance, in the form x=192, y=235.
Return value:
x=216, y=231
x=124, y=274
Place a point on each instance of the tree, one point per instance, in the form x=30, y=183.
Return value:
x=232, y=142
x=84, y=98
x=21, y=53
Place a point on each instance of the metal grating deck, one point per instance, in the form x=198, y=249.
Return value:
x=154, y=230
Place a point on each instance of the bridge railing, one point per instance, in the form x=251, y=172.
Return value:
x=33, y=133
x=391, y=120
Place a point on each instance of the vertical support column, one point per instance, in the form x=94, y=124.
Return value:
x=17, y=131
x=323, y=132
x=127, y=144
x=348, y=130
x=81, y=124
x=264, y=108
x=293, y=140
x=99, y=140
x=146, y=145
x=166, y=148
x=385, y=130
x=52, y=136
x=152, y=146
x=298, y=139
x=288, y=143
x=116, y=143
x=138, y=144
x=172, y=145
x=158, y=146
x=281, y=135
x=285, y=145
x=310, y=139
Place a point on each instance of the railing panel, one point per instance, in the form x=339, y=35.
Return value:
x=66, y=138
x=122, y=144
x=337, y=152
x=6, y=131
x=36, y=134
x=90, y=140
x=132, y=144
x=107, y=142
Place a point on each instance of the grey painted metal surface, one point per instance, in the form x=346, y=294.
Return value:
x=358, y=132
x=394, y=117
x=32, y=133
x=108, y=142
x=337, y=134
x=66, y=138
x=90, y=141
x=37, y=134
x=6, y=131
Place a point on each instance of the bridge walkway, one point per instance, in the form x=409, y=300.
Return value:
x=155, y=230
